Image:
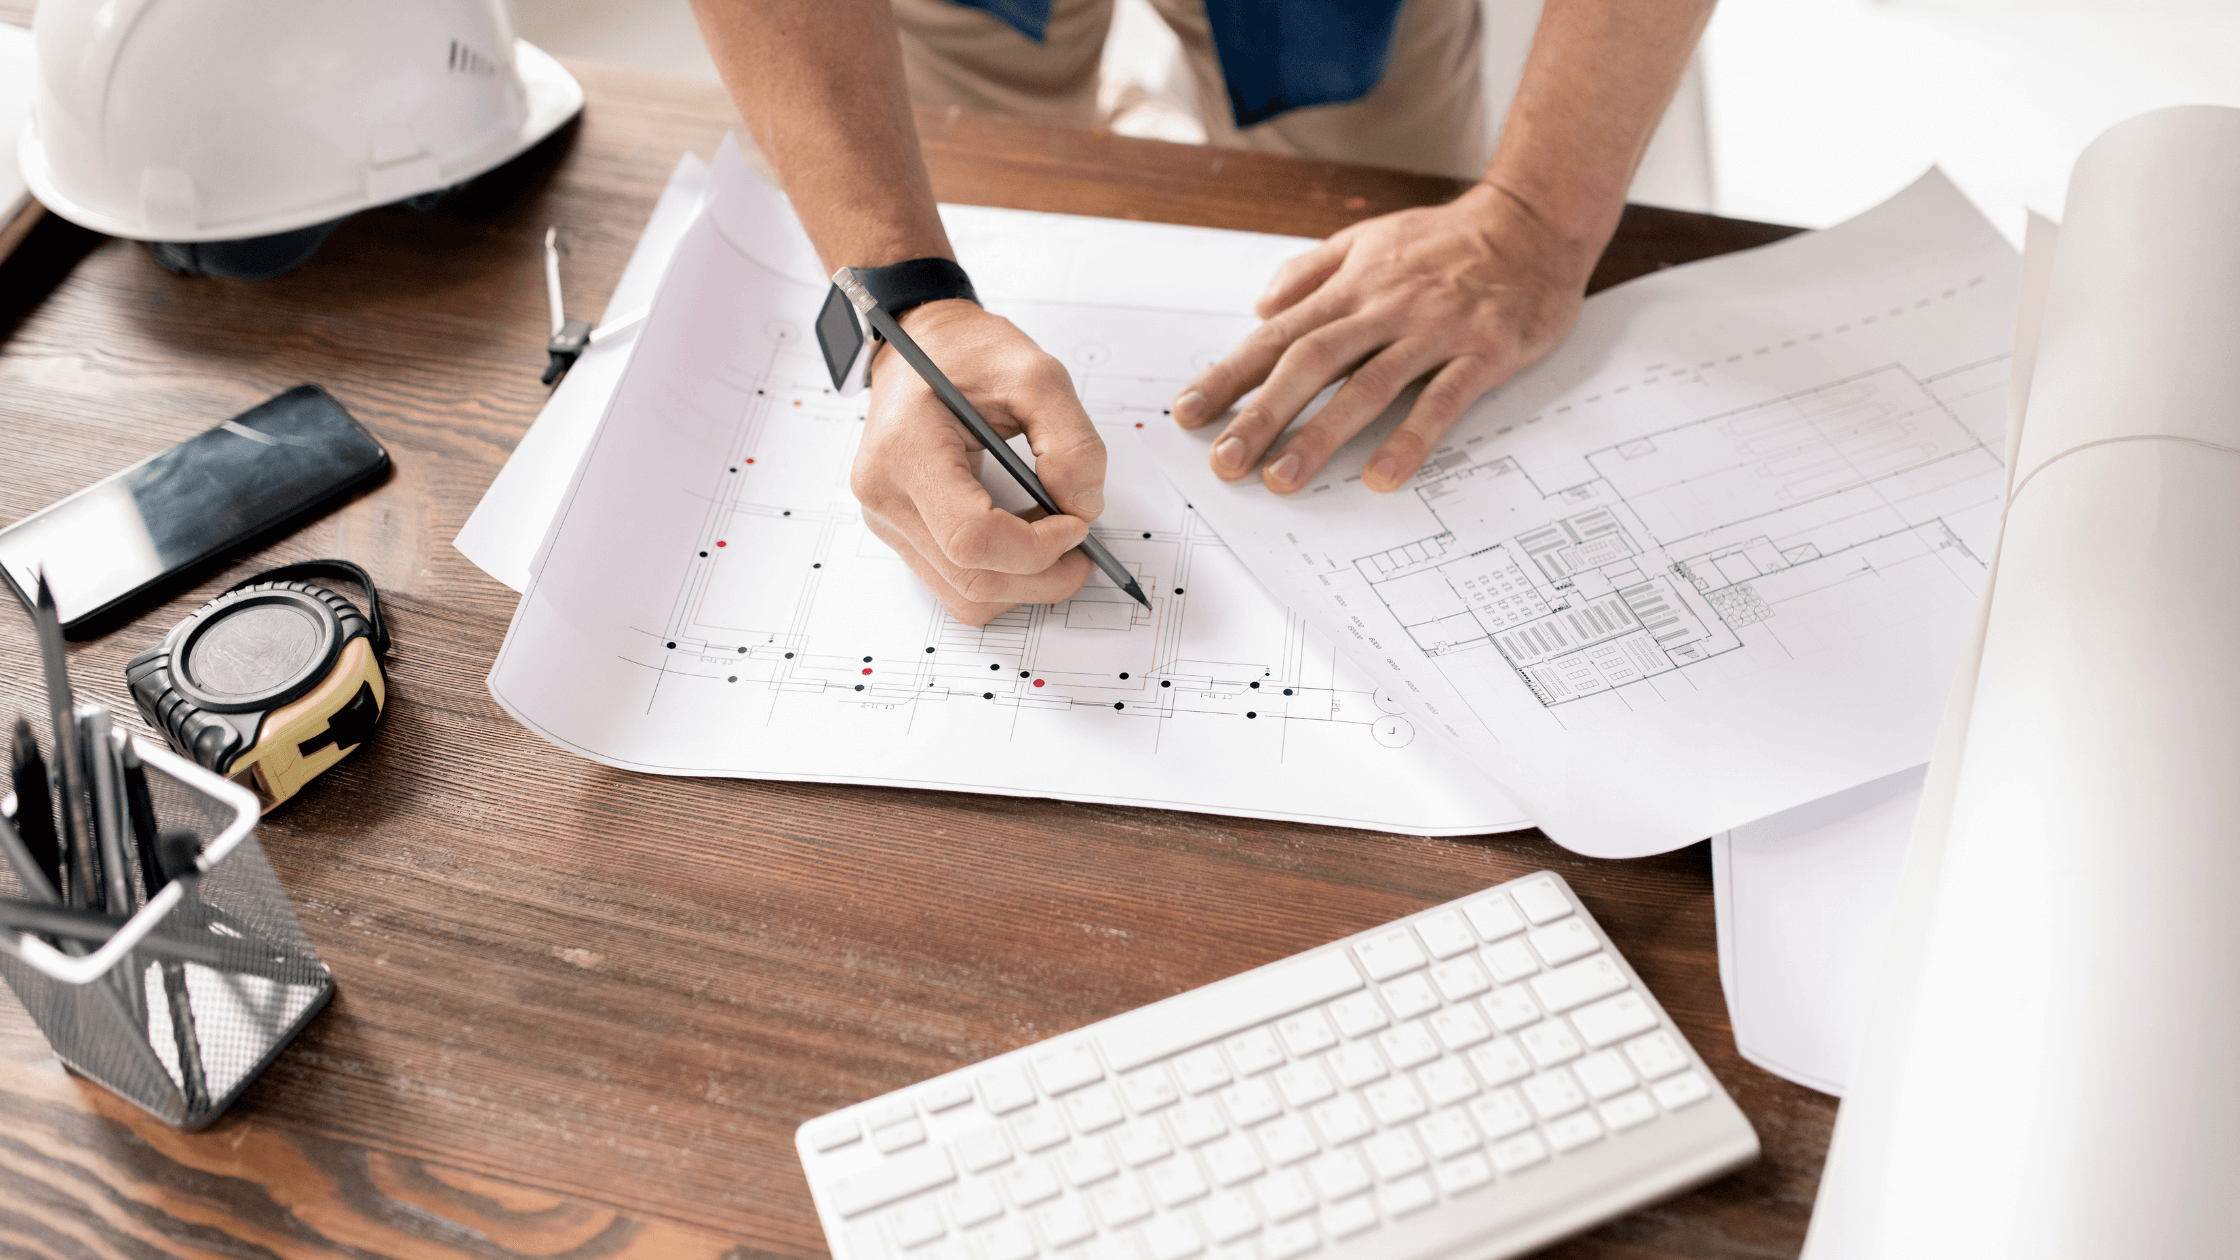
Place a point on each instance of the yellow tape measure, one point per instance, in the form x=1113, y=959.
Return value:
x=271, y=683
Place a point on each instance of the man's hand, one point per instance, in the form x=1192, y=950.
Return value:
x=916, y=472
x=1465, y=294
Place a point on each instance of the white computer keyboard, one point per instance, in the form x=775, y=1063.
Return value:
x=1473, y=1081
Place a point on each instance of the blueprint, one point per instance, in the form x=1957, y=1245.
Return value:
x=1711, y=560
x=708, y=600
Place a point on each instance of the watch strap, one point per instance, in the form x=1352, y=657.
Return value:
x=905, y=286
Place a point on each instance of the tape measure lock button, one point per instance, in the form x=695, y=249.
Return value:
x=271, y=683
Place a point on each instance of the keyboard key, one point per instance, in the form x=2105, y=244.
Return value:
x=1349, y=1218
x=1681, y=1090
x=1087, y=1163
x=1174, y=1182
x=897, y=1178
x=1574, y=1131
x=1094, y=1108
x=1308, y=1032
x=1392, y=1154
x=1509, y=961
x=952, y=1249
x=1231, y=1160
x=1493, y=917
x=1604, y=1074
x=1511, y=1008
x=1613, y=1019
x=1069, y=1067
x=1171, y=1238
x=1228, y=1216
x=1550, y=1043
x=833, y=1136
x=1197, y=1122
x=1408, y=1045
x=1448, y=1133
x=1250, y=1102
x=1656, y=1055
x=1201, y=1070
x=1460, y=1027
x=1341, y=1120
x=1304, y=1084
x=1522, y=1151
x=1389, y=953
x=1446, y=1081
x=1064, y=1223
x=1410, y=1194
x=1501, y=1113
x=1202, y=1015
x=1254, y=1052
x=1286, y=1241
x=1445, y=934
x=1141, y=1142
x=1005, y=1091
x=1358, y=1014
x=1338, y=1174
x=1103, y=1248
x=895, y=1137
x=1029, y=1183
x=974, y=1202
x=1540, y=899
x=1578, y=983
x=915, y=1223
x=1287, y=1140
x=1624, y=1112
x=1355, y=1065
x=1560, y=942
x=982, y=1151
x=1460, y=979
x=1121, y=1203
x=1467, y=1173
x=1396, y=1100
x=1283, y=1195
x=1148, y=1090
x=1039, y=1130
x=946, y=1093
x=879, y=1113
x=1554, y=1093
x=1410, y=996
x=1007, y=1240
x=1501, y=1062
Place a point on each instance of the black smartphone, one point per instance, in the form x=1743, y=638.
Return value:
x=125, y=536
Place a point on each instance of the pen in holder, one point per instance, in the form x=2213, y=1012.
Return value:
x=178, y=1005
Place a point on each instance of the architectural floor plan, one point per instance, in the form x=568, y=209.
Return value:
x=709, y=600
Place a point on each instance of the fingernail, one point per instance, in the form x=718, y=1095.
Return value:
x=1187, y=405
x=1089, y=504
x=1285, y=470
x=1384, y=468
x=1228, y=453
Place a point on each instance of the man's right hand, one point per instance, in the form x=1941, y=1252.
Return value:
x=917, y=469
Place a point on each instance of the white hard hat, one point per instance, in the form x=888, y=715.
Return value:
x=218, y=120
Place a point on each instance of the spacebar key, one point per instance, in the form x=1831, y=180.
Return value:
x=1224, y=1007
x=896, y=1178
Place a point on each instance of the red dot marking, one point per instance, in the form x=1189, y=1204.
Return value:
x=1037, y=682
x=719, y=543
x=867, y=671
x=750, y=461
x=1139, y=424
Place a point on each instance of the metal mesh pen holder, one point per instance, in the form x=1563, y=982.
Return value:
x=187, y=1002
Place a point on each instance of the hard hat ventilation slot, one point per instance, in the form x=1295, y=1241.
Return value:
x=465, y=60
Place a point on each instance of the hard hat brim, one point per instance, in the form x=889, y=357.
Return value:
x=553, y=95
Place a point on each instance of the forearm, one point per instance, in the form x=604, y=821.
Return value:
x=1596, y=85
x=819, y=83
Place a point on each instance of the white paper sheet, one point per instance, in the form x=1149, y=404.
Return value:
x=502, y=535
x=2046, y=1072
x=1712, y=559
x=710, y=603
x=16, y=57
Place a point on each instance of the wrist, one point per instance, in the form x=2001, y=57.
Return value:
x=1567, y=231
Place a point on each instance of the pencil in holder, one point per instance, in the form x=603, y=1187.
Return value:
x=192, y=996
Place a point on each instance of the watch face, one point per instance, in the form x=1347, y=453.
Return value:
x=839, y=336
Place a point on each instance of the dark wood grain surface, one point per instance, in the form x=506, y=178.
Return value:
x=578, y=1012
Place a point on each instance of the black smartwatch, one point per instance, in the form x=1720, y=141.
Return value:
x=897, y=287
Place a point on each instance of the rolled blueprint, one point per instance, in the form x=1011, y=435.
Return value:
x=2049, y=1069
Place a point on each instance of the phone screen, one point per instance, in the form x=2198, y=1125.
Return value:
x=113, y=539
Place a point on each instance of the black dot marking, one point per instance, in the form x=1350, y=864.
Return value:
x=1117, y=705
x=1249, y=715
x=1178, y=590
x=789, y=656
x=758, y=393
x=995, y=667
x=1287, y=691
x=787, y=512
x=733, y=678
x=929, y=651
x=672, y=645
x=734, y=470
x=1165, y=683
x=987, y=695
x=867, y=660
x=703, y=555
x=816, y=566
x=1147, y=533
x=1256, y=686
x=743, y=652
x=1123, y=678
x=1024, y=673
x=859, y=686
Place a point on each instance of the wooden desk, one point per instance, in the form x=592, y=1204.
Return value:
x=580, y=1013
